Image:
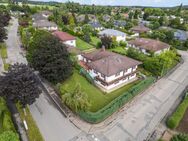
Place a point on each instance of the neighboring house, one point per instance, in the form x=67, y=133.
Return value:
x=120, y=24
x=92, y=17
x=46, y=13
x=145, y=23
x=80, y=18
x=147, y=46
x=45, y=25
x=38, y=17
x=125, y=15
x=118, y=35
x=181, y=35
x=43, y=15
x=140, y=29
x=66, y=38
x=106, y=18
x=96, y=25
x=109, y=70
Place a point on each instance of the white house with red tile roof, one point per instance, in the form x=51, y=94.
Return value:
x=66, y=38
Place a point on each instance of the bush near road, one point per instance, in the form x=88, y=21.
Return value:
x=177, y=116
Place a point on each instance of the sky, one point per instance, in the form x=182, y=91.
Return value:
x=155, y=3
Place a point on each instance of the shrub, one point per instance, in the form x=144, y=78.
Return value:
x=180, y=137
x=177, y=116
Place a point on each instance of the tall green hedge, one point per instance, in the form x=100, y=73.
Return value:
x=116, y=103
x=177, y=116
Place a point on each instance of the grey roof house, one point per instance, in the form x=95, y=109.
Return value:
x=120, y=36
x=120, y=24
x=96, y=25
x=45, y=24
x=181, y=35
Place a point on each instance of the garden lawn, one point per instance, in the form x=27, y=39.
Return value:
x=97, y=98
x=82, y=45
x=95, y=40
x=33, y=131
x=119, y=50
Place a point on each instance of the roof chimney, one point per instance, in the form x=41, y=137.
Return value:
x=103, y=48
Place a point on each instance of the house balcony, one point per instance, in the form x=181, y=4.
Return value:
x=103, y=82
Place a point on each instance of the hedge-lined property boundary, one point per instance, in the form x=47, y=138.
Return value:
x=177, y=116
x=117, y=103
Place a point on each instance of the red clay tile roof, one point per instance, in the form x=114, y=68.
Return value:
x=63, y=36
x=149, y=44
x=109, y=63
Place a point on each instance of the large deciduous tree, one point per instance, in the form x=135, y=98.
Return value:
x=3, y=34
x=106, y=41
x=50, y=57
x=77, y=100
x=19, y=84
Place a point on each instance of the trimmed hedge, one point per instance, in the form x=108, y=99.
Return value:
x=117, y=103
x=180, y=137
x=177, y=116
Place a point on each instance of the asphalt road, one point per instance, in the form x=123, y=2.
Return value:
x=14, y=51
x=133, y=123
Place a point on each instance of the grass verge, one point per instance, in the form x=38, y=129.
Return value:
x=33, y=131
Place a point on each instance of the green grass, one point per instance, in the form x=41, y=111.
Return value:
x=82, y=45
x=119, y=50
x=33, y=131
x=97, y=98
x=95, y=40
x=3, y=51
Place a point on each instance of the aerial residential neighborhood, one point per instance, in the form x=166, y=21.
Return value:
x=93, y=70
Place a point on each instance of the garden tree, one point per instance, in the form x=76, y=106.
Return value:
x=145, y=16
x=180, y=137
x=136, y=14
x=87, y=37
x=163, y=21
x=49, y=56
x=71, y=20
x=3, y=34
x=129, y=25
x=155, y=25
x=65, y=19
x=9, y=136
x=157, y=35
x=179, y=9
x=106, y=41
x=77, y=100
x=175, y=23
x=131, y=15
x=19, y=84
x=87, y=28
x=86, y=20
x=4, y=17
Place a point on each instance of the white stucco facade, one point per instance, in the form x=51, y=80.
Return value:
x=108, y=83
x=121, y=38
x=70, y=43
